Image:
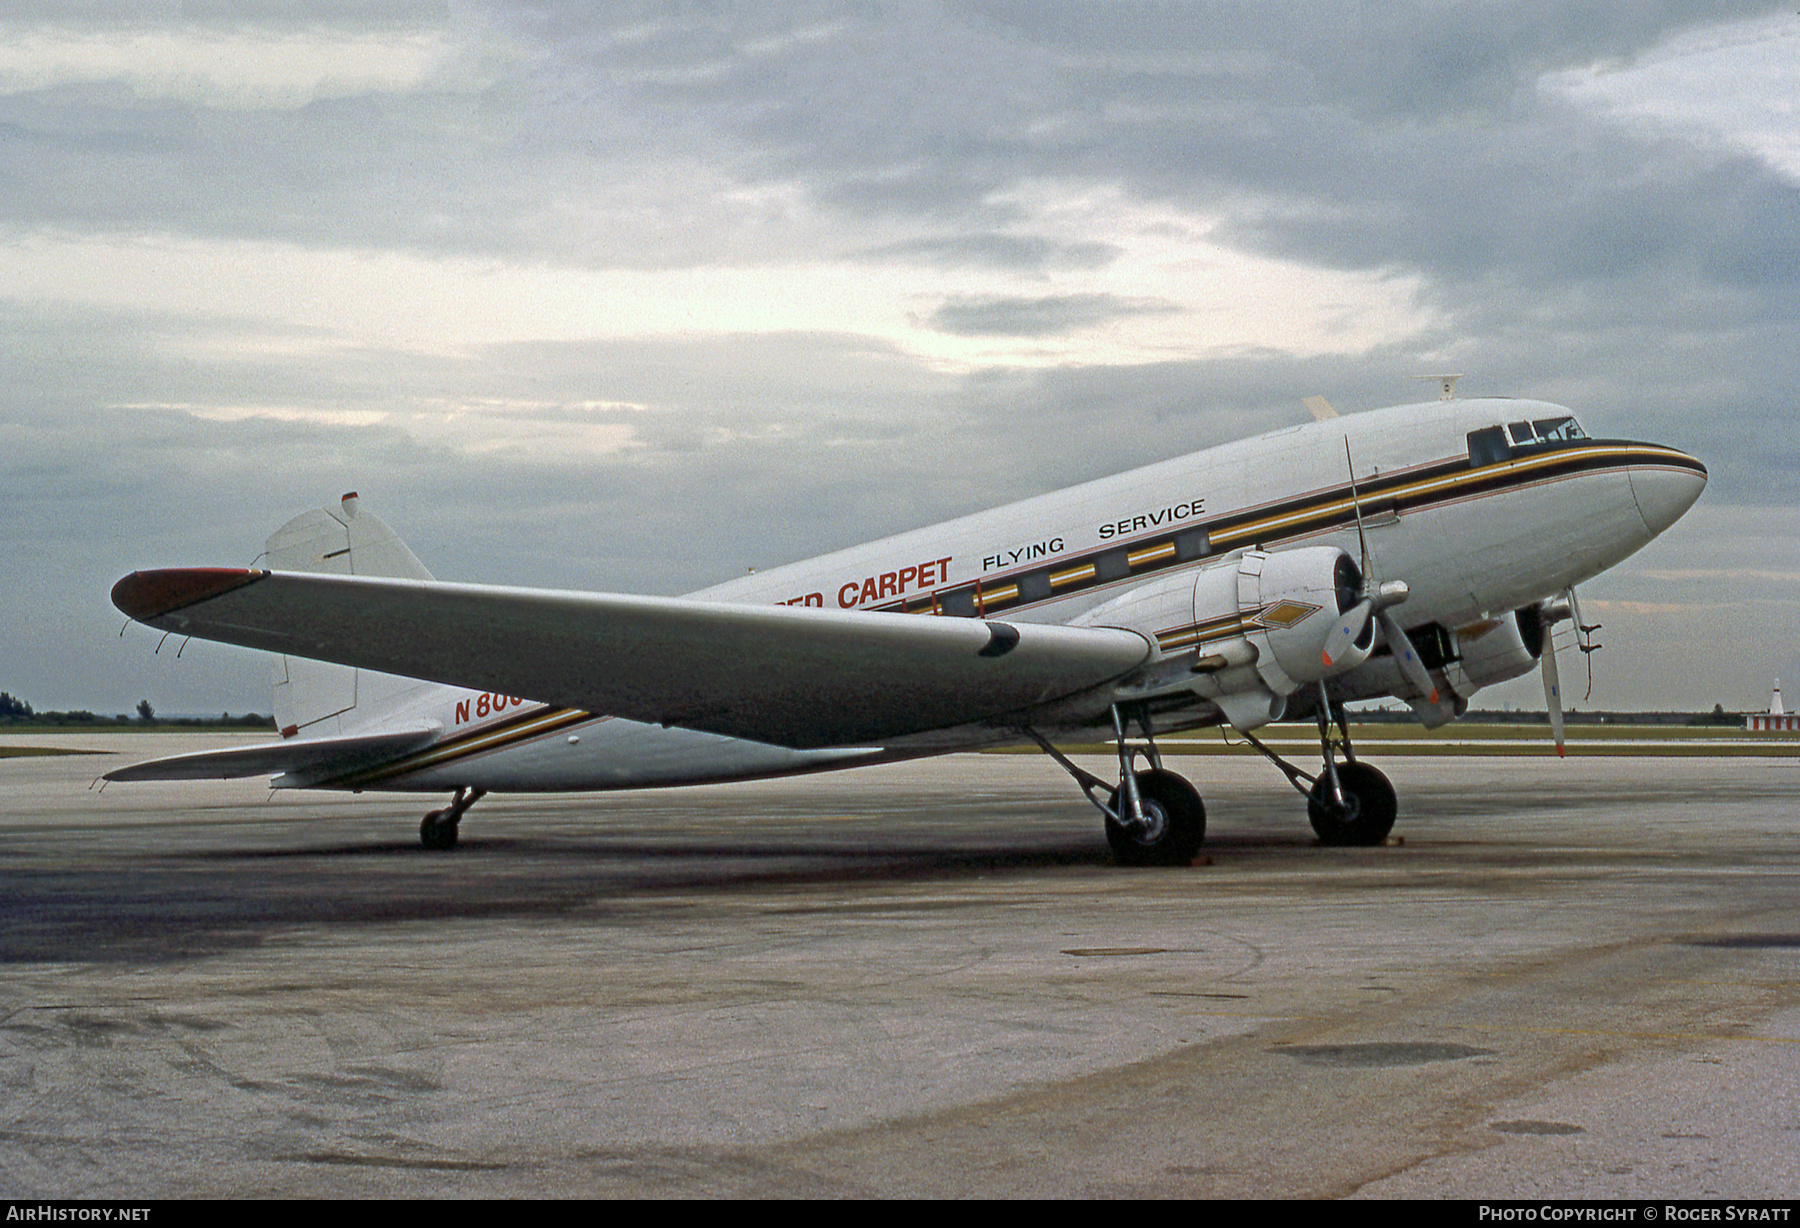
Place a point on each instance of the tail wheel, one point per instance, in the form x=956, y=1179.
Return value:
x=1174, y=823
x=1368, y=812
x=438, y=831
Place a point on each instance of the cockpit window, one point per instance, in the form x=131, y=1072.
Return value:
x=1487, y=447
x=1556, y=430
x=1494, y=444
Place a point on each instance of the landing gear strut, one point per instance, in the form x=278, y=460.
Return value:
x=1349, y=803
x=438, y=831
x=1153, y=817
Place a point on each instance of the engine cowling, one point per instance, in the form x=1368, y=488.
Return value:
x=1288, y=602
x=1245, y=632
x=1496, y=650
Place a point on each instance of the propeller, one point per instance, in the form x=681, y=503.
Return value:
x=1378, y=597
x=1549, y=613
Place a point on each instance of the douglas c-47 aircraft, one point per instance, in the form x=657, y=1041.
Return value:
x=1423, y=552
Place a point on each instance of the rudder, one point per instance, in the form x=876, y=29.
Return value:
x=315, y=697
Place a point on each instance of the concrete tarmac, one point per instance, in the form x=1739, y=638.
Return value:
x=1573, y=979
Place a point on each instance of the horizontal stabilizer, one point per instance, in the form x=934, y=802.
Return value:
x=784, y=675
x=271, y=758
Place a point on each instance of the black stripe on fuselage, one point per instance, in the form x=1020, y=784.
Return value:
x=1409, y=490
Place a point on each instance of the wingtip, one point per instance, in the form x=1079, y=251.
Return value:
x=145, y=595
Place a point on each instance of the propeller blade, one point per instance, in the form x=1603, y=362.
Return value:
x=1552, y=690
x=1349, y=629
x=1362, y=538
x=1408, y=657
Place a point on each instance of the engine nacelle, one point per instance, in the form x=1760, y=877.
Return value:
x=1244, y=632
x=1288, y=603
x=1496, y=650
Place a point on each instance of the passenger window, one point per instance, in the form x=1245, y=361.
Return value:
x=958, y=602
x=1112, y=565
x=1521, y=434
x=1035, y=587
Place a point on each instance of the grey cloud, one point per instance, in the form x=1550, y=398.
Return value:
x=1046, y=316
x=292, y=14
x=996, y=250
x=1417, y=59
x=924, y=111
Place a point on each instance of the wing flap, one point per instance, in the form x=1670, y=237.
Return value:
x=271, y=758
x=790, y=676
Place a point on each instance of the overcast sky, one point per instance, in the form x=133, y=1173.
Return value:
x=633, y=297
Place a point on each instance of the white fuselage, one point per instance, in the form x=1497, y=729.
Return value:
x=1474, y=539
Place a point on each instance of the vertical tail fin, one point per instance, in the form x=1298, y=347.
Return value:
x=312, y=696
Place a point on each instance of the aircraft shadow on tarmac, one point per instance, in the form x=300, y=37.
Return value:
x=165, y=904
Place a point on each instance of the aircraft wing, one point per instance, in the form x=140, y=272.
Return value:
x=785, y=675
x=271, y=758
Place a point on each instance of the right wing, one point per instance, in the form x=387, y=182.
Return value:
x=795, y=677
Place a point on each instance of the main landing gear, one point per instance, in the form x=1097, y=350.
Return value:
x=1156, y=818
x=1153, y=817
x=1349, y=803
x=438, y=831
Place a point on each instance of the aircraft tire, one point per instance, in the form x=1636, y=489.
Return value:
x=438, y=831
x=1177, y=821
x=1366, y=820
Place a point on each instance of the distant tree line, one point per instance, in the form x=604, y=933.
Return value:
x=15, y=712
x=1477, y=716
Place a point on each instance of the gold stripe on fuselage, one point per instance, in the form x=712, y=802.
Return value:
x=534, y=725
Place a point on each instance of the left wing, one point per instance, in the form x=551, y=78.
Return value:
x=790, y=676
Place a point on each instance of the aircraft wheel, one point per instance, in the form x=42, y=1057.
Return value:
x=1368, y=814
x=1174, y=823
x=438, y=831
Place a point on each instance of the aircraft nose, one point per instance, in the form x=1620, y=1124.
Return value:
x=1665, y=492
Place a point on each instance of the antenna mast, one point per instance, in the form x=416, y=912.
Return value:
x=1446, y=384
